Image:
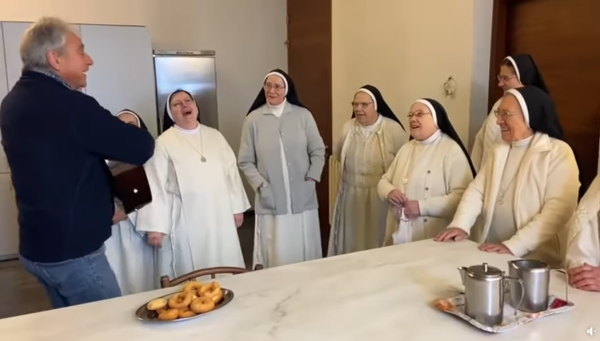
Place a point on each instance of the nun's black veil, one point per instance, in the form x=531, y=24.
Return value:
x=382, y=107
x=291, y=96
x=528, y=72
x=167, y=121
x=444, y=124
x=543, y=117
x=129, y=111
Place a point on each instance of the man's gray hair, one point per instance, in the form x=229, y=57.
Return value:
x=47, y=34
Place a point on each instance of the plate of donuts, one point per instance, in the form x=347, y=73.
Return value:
x=194, y=300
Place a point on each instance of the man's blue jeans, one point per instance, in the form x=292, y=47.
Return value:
x=76, y=281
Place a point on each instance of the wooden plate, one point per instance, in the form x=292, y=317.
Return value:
x=143, y=314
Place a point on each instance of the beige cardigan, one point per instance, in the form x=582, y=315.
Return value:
x=546, y=194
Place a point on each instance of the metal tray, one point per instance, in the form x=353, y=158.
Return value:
x=143, y=314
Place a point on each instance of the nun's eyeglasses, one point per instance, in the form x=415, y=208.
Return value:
x=180, y=103
x=277, y=87
x=360, y=104
x=417, y=114
x=504, y=77
x=504, y=114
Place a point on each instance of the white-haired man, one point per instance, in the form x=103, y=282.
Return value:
x=56, y=140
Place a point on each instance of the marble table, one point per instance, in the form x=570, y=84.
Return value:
x=382, y=294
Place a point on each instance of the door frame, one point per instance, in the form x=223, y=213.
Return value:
x=499, y=48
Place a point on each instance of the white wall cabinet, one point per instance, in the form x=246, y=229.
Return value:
x=122, y=76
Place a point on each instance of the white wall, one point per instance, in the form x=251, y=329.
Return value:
x=408, y=49
x=247, y=35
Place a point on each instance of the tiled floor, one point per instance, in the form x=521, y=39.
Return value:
x=20, y=293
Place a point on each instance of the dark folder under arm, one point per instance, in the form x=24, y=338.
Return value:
x=131, y=185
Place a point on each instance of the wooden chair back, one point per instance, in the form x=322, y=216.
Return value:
x=165, y=282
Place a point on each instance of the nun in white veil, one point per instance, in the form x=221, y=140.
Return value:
x=127, y=251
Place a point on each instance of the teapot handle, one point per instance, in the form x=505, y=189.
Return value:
x=522, y=290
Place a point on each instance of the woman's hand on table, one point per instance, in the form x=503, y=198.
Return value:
x=397, y=198
x=497, y=248
x=451, y=234
x=585, y=277
x=155, y=238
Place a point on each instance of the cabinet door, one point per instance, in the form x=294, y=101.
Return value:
x=9, y=227
x=13, y=33
x=122, y=76
x=3, y=90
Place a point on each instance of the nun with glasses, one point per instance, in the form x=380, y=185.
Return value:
x=516, y=71
x=368, y=144
x=282, y=155
x=527, y=191
x=425, y=182
x=127, y=250
x=198, y=196
x=583, y=242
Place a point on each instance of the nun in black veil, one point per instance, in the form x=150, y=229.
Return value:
x=127, y=250
x=282, y=155
x=528, y=190
x=516, y=71
x=368, y=144
x=425, y=182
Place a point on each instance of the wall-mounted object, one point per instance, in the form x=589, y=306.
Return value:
x=450, y=87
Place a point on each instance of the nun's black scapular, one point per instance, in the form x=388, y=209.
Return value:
x=290, y=92
x=539, y=111
x=380, y=104
x=445, y=126
x=527, y=71
x=168, y=117
x=140, y=122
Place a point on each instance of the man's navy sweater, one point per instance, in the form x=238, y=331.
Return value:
x=56, y=141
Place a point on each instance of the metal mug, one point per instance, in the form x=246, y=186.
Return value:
x=485, y=288
x=535, y=277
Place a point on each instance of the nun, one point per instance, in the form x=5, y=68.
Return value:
x=282, y=155
x=368, y=144
x=516, y=71
x=198, y=196
x=582, y=257
x=527, y=192
x=425, y=182
x=127, y=250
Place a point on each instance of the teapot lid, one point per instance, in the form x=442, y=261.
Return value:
x=485, y=271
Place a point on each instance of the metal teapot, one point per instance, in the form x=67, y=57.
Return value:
x=484, y=293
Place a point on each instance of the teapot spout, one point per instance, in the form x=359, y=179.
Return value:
x=463, y=274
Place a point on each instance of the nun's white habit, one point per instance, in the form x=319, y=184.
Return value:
x=528, y=191
x=128, y=252
x=583, y=236
x=364, y=154
x=489, y=135
x=196, y=189
x=435, y=172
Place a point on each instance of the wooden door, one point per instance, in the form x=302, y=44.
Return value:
x=309, y=65
x=563, y=38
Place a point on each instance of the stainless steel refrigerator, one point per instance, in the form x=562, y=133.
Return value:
x=193, y=71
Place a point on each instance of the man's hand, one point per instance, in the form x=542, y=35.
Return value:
x=585, y=277
x=118, y=216
x=155, y=238
x=239, y=219
x=397, y=198
x=451, y=234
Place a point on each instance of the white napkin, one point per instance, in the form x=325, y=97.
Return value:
x=404, y=232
